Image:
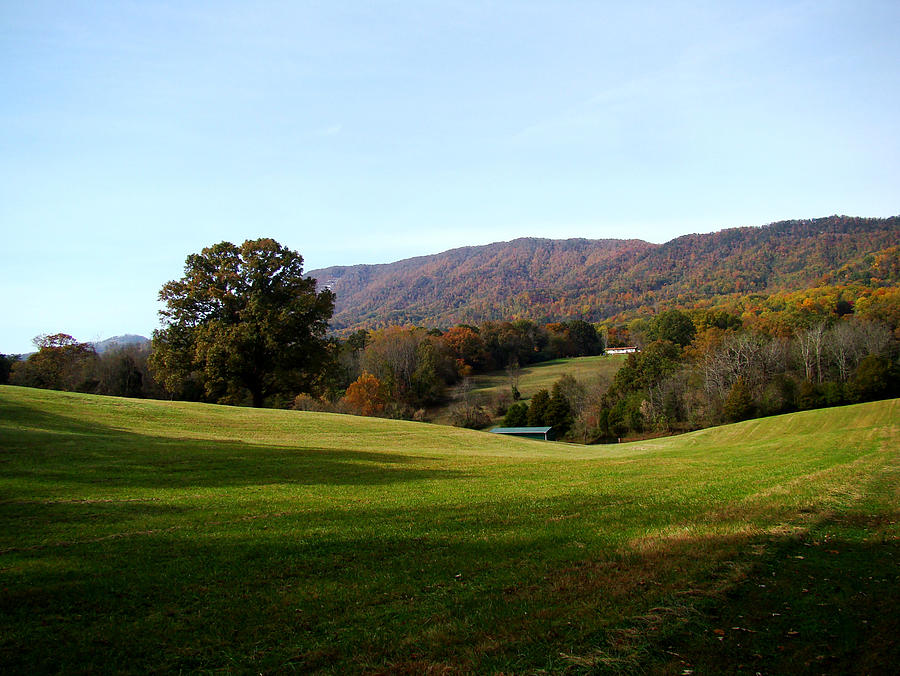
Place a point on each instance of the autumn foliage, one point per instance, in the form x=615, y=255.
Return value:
x=549, y=280
x=366, y=396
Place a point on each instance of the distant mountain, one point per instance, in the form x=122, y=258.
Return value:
x=117, y=342
x=550, y=280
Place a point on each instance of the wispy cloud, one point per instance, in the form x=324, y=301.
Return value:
x=331, y=130
x=700, y=65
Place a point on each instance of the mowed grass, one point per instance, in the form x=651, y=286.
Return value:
x=542, y=376
x=144, y=537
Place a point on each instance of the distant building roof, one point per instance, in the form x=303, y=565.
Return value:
x=545, y=433
x=520, y=430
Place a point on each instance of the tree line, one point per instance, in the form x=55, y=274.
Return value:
x=724, y=371
x=243, y=326
x=63, y=363
x=403, y=371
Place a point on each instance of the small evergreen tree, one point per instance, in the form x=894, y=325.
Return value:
x=558, y=413
x=616, y=421
x=516, y=415
x=537, y=410
x=739, y=402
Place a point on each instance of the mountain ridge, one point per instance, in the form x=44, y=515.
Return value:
x=549, y=280
x=117, y=342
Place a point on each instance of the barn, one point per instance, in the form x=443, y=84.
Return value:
x=541, y=433
x=631, y=349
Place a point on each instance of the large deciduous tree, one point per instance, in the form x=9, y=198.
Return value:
x=243, y=321
x=672, y=325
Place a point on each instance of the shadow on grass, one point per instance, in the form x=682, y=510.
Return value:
x=813, y=606
x=446, y=600
x=48, y=448
x=516, y=586
x=34, y=515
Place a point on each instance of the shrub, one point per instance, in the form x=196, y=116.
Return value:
x=516, y=415
x=471, y=417
x=739, y=402
x=306, y=402
x=874, y=378
x=500, y=403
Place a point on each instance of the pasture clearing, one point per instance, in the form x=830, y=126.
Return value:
x=534, y=377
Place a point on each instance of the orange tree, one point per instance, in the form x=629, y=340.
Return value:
x=366, y=395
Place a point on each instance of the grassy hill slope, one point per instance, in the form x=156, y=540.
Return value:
x=139, y=536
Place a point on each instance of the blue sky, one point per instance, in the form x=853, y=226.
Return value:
x=135, y=133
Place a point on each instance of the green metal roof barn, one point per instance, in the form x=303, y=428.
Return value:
x=542, y=433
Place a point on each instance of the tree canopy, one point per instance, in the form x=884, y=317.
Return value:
x=672, y=325
x=61, y=363
x=242, y=322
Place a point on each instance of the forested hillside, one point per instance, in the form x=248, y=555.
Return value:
x=550, y=280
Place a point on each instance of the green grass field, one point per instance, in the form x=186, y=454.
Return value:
x=141, y=536
x=542, y=376
x=532, y=378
